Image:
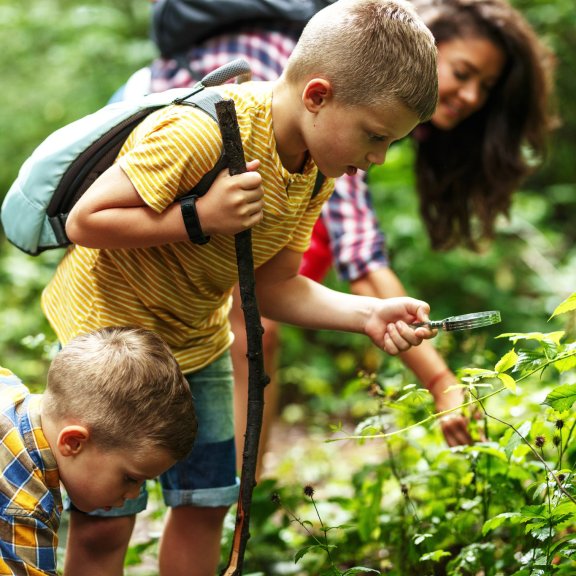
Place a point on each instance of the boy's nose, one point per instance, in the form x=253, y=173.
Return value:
x=377, y=157
x=132, y=492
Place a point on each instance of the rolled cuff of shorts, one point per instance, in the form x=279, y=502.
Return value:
x=131, y=506
x=207, y=498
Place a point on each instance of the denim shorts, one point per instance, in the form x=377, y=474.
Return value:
x=207, y=477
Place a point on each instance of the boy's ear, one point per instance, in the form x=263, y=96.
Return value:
x=72, y=439
x=316, y=93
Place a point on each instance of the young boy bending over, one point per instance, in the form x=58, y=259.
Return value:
x=116, y=411
x=362, y=75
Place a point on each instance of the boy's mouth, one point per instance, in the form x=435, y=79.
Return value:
x=351, y=170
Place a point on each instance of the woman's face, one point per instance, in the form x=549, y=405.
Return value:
x=467, y=70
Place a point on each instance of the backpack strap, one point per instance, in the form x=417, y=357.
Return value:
x=206, y=101
x=320, y=179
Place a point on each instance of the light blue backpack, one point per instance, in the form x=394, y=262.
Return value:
x=64, y=165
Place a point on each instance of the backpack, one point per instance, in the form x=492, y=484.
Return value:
x=68, y=161
x=178, y=25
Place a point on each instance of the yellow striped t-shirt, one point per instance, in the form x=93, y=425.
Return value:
x=182, y=290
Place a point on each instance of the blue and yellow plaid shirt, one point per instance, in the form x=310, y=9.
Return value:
x=30, y=500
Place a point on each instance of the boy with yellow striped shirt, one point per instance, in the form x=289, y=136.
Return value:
x=362, y=75
x=116, y=411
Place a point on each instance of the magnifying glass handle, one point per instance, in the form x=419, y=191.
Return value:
x=432, y=324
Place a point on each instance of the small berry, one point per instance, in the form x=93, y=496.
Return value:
x=559, y=424
x=540, y=441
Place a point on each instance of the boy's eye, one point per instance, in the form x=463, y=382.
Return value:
x=130, y=480
x=378, y=137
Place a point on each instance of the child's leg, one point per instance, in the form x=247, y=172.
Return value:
x=190, y=544
x=96, y=546
x=200, y=489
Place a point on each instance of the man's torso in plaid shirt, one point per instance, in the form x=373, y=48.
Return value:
x=30, y=500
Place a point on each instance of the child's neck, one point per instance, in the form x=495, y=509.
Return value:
x=285, y=114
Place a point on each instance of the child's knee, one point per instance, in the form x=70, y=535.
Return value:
x=101, y=535
x=209, y=517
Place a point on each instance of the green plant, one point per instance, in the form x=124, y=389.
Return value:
x=503, y=506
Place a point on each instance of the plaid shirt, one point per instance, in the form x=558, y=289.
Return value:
x=356, y=240
x=30, y=500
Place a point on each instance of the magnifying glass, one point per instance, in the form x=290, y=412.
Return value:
x=463, y=322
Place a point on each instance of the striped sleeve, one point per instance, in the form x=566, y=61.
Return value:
x=168, y=154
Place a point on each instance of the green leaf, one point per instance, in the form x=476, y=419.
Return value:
x=516, y=438
x=567, y=306
x=486, y=449
x=419, y=538
x=303, y=551
x=477, y=373
x=565, y=541
x=359, y=570
x=565, y=364
x=562, y=397
x=435, y=556
x=551, y=337
x=508, y=381
x=497, y=521
x=507, y=361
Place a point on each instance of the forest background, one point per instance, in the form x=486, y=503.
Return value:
x=62, y=59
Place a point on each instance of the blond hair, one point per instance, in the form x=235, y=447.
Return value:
x=372, y=52
x=125, y=386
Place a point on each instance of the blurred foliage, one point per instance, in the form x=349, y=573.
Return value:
x=62, y=59
x=65, y=59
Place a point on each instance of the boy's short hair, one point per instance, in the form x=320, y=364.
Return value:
x=125, y=386
x=372, y=52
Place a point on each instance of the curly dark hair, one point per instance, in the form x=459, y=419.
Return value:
x=466, y=176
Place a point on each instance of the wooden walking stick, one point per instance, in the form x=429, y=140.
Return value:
x=257, y=378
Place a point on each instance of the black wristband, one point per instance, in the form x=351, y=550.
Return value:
x=191, y=221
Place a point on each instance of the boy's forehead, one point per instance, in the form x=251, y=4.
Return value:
x=148, y=463
x=393, y=119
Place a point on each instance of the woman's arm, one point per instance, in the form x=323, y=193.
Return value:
x=428, y=366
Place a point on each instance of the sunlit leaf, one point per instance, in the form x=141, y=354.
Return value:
x=567, y=306
x=553, y=337
x=434, y=556
x=359, y=570
x=486, y=449
x=562, y=397
x=508, y=381
x=419, y=538
x=566, y=364
x=507, y=361
x=497, y=521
